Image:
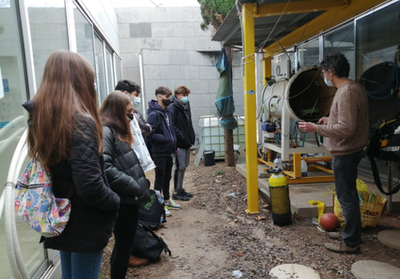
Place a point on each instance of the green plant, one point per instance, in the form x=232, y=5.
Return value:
x=214, y=12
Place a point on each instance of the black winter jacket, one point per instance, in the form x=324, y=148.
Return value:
x=94, y=205
x=162, y=139
x=123, y=169
x=182, y=119
x=144, y=127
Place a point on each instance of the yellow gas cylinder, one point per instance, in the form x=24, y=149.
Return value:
x=280, y=200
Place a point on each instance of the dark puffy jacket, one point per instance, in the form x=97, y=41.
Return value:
x=144, y=127
x=124, y=172
x=182, y=119
x=162, y=139
x=94, y=205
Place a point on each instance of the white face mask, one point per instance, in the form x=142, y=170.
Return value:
x=136, y=101
x=328, y=82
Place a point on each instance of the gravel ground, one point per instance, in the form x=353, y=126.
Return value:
x=212, y=236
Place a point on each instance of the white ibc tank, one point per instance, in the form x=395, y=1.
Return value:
x=308, y=97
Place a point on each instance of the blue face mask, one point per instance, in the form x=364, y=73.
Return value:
x=136, y=101
x=185, y=100
x=328, y=82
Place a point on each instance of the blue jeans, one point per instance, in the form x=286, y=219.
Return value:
x=80, y=265
x=345, y=172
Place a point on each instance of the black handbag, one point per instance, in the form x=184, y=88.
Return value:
x=147, y=244
x=384, y=144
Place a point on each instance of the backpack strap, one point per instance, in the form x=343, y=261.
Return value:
x=147, y=229
x=377, y=179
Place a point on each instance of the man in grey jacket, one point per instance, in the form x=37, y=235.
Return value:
x=346, y=130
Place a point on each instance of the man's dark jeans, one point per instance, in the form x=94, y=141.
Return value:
x=163, y=175
x=345, y=172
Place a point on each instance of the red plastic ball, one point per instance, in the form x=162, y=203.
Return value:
x=329, y=221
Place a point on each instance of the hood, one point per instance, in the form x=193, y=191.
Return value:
x=153, y=105
x=178, y=104
x=29, y=106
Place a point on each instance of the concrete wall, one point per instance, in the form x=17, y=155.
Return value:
x=174, y=51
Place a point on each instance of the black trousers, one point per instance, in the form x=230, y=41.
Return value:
x=124, y=234
x=163, y=175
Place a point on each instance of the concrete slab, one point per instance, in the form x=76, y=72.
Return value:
x=374, y=270
x=390, y=238
x=287, y=271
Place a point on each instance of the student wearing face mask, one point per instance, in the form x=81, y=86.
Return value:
x=162, y=143
x=126, y=178
x=185, y=137
x=133, y=89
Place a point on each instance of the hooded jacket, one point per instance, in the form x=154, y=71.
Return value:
x=144, y=127
x=94, y=205
x=182, y=119
x=162, y=139
x=124, y=172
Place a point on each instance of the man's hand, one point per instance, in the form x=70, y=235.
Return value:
x=307, y=126
x=323, y=121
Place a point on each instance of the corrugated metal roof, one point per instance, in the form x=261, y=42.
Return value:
x=270, y=27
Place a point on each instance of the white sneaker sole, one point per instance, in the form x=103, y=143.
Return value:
x=172, y=208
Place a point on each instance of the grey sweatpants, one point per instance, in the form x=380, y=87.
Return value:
x=181, y=162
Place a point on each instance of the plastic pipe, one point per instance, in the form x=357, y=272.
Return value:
x=13, y=249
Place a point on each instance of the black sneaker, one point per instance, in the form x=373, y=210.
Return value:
x=180, y=196
x=189, y=195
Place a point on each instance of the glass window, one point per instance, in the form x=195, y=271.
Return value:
x=308, y=54
x=378, y=38
x=110, y=70
x=118, y=68
x=100, y=70
x=13, y=93
x=342, y=40
x=45, y=16
x=84, y=36
x=378, y=42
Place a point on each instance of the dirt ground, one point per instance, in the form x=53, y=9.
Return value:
x=212, y=236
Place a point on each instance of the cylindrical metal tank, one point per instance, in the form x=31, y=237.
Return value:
x=308, y=97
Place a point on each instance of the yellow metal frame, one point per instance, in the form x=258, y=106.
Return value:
x=250, y=112
x=298, y=7
x=327, y=20
x=267, y=68
x=337, y=11
x=294, y=177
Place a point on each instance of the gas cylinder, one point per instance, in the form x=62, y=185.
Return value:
x=280, y=200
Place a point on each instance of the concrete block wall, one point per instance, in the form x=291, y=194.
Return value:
x=174, y=51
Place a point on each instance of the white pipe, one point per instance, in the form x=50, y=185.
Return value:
x=13, y=250
x=2, y=200
x=17, y=249
x=9, y=231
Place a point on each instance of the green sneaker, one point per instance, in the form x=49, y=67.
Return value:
x=172, y=205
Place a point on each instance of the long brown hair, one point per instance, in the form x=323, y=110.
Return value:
x=67, y=91
x=113, y=113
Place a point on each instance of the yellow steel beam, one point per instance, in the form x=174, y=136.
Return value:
x=298, y=7
x=310, y=179
x=266, y=69
x=321, y=168
x=297, y=165
x=325, y=21
x=249, y=111
x=318, y=159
